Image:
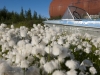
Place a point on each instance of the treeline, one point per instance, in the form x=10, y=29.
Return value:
x=24, y=15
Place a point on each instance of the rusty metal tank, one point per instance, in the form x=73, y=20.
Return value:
x=58, y=7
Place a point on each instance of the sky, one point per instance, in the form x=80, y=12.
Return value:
x=40, y=6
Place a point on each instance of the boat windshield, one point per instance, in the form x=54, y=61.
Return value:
x=74, y=12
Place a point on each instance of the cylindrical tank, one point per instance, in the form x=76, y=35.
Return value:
x=58, y=7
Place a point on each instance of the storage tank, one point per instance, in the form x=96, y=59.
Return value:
x=58, y=7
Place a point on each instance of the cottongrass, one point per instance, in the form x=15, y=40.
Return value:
x=57, y=49
x=58, y=72
x=47, y=51
x=72, y=72
x=92, y=70
x=72, y=64
x=48, y=67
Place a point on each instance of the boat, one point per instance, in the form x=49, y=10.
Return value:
x=76, y=19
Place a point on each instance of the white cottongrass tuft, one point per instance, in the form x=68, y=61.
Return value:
x=23, y=28
x=19, y=58
x=97, y=52
x=30, y=59
x=60, y=59
x=3, y=25
x=65, y=53
x=23, y=31
x=58, y=72
x=71, y=72
x=42, y=61
x=79, y=47
x=49, y=67
x=11, y=43
x=87, y=50
x=35, y=40
x=72, y=64
x=67, y=45
x=48, y=49
x=57, y=49
x=92, y=70
x=60, y=41
x=56, y=64
x=24, y=64
x=87, y=36
x=12, y=26
x=21, y=43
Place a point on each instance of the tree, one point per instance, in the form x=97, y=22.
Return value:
x=28, y=15
x=35, y=16
x=22, y=17
x=15, y=17
x=3, y=14
x=40, y=17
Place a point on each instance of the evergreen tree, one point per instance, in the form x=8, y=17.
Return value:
x=35, y=16
x=22, y=14
x=15, y=17
x=28, y=15
x=3, y=14
x=40, y=17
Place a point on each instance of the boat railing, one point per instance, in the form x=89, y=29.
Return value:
x=74, y=12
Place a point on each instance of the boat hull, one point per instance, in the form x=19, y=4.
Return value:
x=81, y=23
